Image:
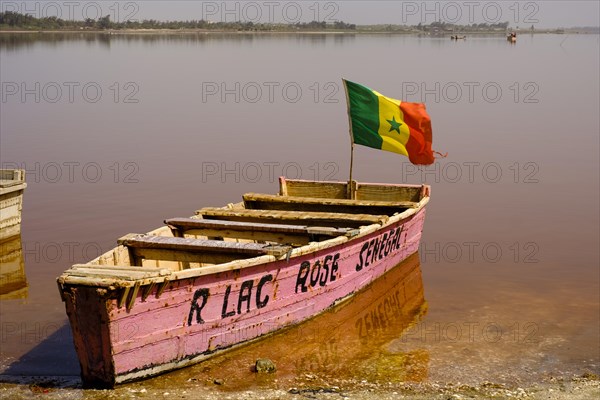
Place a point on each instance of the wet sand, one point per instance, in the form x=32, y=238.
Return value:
x=577, y=388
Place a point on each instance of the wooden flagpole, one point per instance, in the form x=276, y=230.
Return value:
x=350, y=185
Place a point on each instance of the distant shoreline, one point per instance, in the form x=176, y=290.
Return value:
x=16, y=22
x=303, y=32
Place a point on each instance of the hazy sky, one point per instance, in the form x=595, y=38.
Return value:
x=517, y=13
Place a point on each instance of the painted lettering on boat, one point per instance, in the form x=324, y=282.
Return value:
x=320, y=273
x=197, y=308
x=379, y=248
x=230, y=306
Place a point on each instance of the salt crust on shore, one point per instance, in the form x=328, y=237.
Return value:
x=578, y=388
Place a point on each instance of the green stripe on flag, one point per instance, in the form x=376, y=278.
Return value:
x=364, y=115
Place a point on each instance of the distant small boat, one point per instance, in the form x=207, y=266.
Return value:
x=512, y=37
x=12, y=185
x=457, y=37
x=227, y=276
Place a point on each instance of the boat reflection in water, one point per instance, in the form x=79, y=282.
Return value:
x=13, y=282
x=347, y=342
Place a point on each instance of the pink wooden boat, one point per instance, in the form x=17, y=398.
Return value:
x=227, y=276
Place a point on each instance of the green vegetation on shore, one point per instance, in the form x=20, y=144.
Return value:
x=13, y=21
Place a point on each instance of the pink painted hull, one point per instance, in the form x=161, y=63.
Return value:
x=197, y=317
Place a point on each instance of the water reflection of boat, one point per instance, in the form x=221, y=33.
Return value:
x=13, y=282
x=12, y=185
x=200, y=286
x=346, y=342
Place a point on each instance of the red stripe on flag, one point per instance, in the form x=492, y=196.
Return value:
x=419, y=141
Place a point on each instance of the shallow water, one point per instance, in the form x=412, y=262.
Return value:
x=120, y=132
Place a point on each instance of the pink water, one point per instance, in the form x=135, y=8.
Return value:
x=510, y=249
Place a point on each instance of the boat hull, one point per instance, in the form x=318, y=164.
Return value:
x=190, y=319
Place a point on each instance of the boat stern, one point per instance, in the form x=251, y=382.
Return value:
x=88, y=312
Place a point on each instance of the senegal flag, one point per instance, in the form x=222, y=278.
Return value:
x=388, y=124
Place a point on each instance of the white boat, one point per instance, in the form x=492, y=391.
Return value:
x=12, y=185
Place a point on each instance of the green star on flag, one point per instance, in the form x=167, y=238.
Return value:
x=395, y=125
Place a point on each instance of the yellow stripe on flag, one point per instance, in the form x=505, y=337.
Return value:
x=392, y=129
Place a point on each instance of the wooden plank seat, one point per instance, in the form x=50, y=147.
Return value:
x=119, y=272
x=280, y=233
x=143, y=246
x=275, y=202
x=292, y=217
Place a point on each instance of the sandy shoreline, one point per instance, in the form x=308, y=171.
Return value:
x=579, y=388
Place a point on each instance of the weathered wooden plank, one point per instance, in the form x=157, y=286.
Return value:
x=394, y=193
x=278, y=233
x=283, y=186
x=250, y=226
x=11, y=177
x=293, y=217
x=147, y=290
x=100, y=273
x=123, y=296
x=139, y=241
x=4, y=183
x=211, y=227
x=301, y=188
x=133, y=296
x=121, y=268
x=189, y=250
x=259, y=237
x=187, y=257
x=104, y=282
x=295, y=203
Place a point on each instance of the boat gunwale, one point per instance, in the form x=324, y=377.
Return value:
x=14, y=183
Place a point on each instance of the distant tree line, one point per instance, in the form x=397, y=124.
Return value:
x=435, y=28
x=443, y=26
x=14, y=20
